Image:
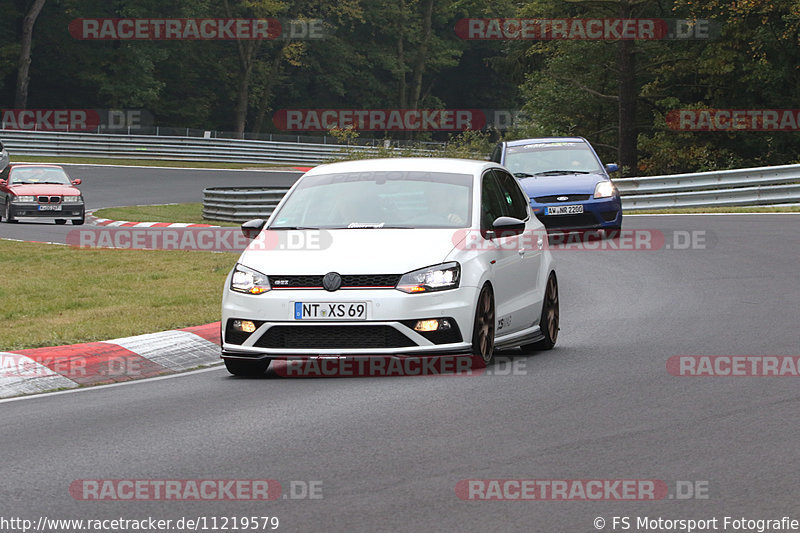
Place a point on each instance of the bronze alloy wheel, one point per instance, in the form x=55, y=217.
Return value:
x=549, y=321
x=483, y=332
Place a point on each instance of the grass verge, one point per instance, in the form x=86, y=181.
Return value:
x=146, y=162
x=788, y=209
x=191, y=213
x=54, y=295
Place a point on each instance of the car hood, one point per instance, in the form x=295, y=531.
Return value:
x=349, y=251
x=44, y=189
x=565, y=184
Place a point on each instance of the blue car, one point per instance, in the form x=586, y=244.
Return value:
x=568, y=186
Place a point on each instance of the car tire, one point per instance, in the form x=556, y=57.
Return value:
x=78, y=222
x=549, y=321
x=61, y=221
x=242, y=367
x=484, y=327
x=7, y=213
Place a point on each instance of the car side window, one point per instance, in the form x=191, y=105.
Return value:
x=516, y=201
x=492, y=201
x=4, y=173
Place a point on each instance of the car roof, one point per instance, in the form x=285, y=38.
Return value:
x=429, y=164
x=546, y=140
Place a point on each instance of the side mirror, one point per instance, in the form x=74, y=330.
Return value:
x=612, y=167
x=2, y=146
x=507, y=226
x=3, y=183
x=252, y=228
x=76, y=181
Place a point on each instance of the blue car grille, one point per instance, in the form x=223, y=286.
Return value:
x=555, y=198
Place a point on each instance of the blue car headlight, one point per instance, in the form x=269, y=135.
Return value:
x=604, y=189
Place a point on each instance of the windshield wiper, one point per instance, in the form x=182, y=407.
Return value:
x=289, y=228
x=561, y=172
x=522, y=175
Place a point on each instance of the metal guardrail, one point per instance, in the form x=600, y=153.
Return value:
x=750, y=186
x=22, y=143
x=724, y=188
x=240, y=204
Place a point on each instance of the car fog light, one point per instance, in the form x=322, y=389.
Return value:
x=244, y=325
x=427, y=325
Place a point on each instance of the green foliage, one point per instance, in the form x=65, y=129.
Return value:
x=377, y=55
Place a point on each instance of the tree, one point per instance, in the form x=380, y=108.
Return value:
x=24, y=64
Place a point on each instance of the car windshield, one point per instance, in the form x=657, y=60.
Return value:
x=390, y=199
x=30, y=175
x=551, y=158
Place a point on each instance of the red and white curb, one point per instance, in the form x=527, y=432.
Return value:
x=97, y=363
x=97, y=221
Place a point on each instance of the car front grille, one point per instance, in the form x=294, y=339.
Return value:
x=333, y=337
x=569, y=198
x=349, y=281
x=49, y=199
x=582, y=220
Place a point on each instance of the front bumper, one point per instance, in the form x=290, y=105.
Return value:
x=68, y=211
x=601, y=213
x=388, y=329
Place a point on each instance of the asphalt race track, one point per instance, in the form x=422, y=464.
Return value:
x=386, y=453
x=120, y=186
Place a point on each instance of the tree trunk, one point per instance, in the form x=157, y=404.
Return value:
x=401, y=56
x=266, y=96
x=246, y=53
x=24, y=64
x=422, y=53
x=626, y=63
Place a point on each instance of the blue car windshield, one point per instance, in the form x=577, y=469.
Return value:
x=553, y=158
x=376, y=200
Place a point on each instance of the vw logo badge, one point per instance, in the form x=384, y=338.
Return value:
x=562, y=198
x=332, y=281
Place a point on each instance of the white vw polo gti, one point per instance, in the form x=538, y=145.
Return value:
x=392, y=257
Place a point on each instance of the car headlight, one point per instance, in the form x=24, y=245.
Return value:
x=434, y=278
x=23, y=198
x=248, y=281
x=72, y=199
x=604, y=189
